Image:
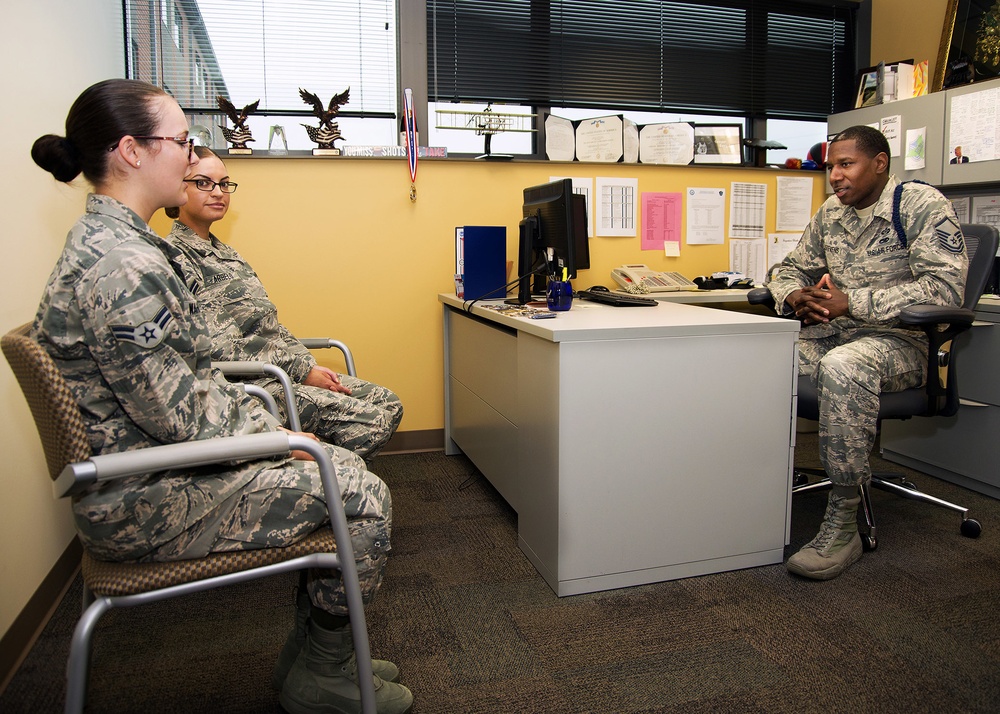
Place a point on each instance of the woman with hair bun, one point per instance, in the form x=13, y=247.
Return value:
x=126, y=334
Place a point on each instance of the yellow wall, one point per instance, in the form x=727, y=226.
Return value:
x=904, y=29
x=47, y=63
x=344, y=253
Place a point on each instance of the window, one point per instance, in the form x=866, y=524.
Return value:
x=729, y=57
x=266, y=50
x=798, y=136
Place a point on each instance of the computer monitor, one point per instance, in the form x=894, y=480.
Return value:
x=554, y=223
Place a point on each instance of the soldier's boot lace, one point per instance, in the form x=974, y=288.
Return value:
x=297, y=637
x=324, y=678
x=835, y=547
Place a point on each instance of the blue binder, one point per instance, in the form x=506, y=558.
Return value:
x=485, y=262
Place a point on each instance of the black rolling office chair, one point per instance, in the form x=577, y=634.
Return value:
x=939, y=397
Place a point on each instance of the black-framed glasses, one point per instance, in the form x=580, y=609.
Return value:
x=204, y=184
x=176, y=139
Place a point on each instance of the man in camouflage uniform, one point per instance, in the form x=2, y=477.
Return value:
x=131, y=343
x=243, y=322
x=873, y=248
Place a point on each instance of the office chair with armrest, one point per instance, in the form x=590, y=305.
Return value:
x=126, y=584
x=939, y=396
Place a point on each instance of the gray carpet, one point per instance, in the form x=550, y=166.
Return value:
x=913, y=627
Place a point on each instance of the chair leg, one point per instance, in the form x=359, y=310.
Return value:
x=78, y=665
x=869, y=540
x=970, y=527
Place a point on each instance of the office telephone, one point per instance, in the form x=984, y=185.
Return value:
x=638, y=276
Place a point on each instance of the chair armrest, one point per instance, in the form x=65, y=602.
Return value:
x=321, y=343
x=265, y=369
x=760, y=296
x=105, y=467
x=923, y=315
x=265, y=396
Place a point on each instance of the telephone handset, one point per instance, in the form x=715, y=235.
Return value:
x=631, y=277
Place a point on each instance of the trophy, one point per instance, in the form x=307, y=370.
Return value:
x=239, y=135
x=327, y=132
x=277, y=131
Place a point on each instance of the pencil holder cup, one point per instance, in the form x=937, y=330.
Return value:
x=559, y=295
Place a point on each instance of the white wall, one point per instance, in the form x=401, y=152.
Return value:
x=50, y=50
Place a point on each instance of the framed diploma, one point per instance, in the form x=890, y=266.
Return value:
x=669, y=143
x=601, y=139
x=718, y=144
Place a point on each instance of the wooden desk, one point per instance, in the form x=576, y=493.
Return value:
x=636, y=444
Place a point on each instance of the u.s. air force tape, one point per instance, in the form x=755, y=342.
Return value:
x=148, y=334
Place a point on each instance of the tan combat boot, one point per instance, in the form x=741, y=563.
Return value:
x=297, y=637
x=836, y=546
x=324, y=678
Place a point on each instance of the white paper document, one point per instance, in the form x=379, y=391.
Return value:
x=975, y=125
x=706, y=215
x=961, y=206
x=986, y=209
x=892, y=127
x=779, y=245
x=747, y=210
x=916, y=149
x=617, y=206
x=794, y=203
x=749, y=256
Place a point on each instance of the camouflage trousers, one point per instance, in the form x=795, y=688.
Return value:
x=363, y=421
x=283, y=503
x=850, y=369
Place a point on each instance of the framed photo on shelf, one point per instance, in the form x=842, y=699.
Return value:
x=718, y=144
x=867, y=88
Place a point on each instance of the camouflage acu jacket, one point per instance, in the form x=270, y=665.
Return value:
x=242, y=320
x=880, y=271
x=127, y=335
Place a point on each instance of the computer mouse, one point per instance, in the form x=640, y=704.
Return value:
x=598, y=289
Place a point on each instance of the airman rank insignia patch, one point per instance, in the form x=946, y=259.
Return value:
x=950, y=236
x=148, y=334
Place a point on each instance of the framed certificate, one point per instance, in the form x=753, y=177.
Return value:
x=718, y=144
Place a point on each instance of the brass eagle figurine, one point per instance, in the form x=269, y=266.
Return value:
x=327, y=132
x=239, y=135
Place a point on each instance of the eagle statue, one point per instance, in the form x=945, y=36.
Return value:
x=239, y=135
x=327, y=132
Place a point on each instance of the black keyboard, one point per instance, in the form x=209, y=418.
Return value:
x=607, y=297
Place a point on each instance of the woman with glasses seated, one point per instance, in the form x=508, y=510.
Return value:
x=340, y=409
x=125, y=333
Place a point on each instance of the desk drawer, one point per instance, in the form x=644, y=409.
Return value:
x=487, y=438
x=965, y=444
x=484, y=359
x=977, y=357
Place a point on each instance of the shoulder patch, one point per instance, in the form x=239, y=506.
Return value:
x=949, y=235
x=148, y=334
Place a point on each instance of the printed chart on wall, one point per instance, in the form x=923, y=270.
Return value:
x=661, y=222
x=617, y=206
x=975, y=126
x=747, y=210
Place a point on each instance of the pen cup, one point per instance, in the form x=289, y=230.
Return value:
x=559, y=295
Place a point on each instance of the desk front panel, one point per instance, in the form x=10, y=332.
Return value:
x=654, y=458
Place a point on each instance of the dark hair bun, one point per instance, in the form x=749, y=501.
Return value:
x=57, y=155
x=173, y=212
